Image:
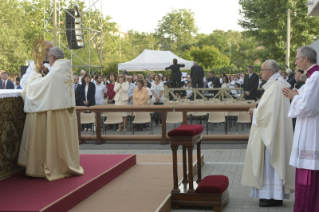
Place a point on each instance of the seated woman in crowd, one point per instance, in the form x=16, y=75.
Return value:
x=87, y=93
x=121, y=98
x=140, y=97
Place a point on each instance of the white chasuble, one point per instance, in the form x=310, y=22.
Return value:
x=272, y=129
x=50, y=144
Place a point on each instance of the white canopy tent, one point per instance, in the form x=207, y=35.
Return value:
x=151, y=60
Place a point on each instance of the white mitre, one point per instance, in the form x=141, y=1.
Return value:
x=53, y=92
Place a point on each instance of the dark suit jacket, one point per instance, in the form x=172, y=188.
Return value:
x=292, y=82
x=78, y=95
x=299, y=85
x=9, y=84
x=176, y=73
x=197, y=71
x=251, y=84
x=215, y=81
x=90, y=94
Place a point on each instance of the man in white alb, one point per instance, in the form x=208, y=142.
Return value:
x=266, y=167
x=44, y=67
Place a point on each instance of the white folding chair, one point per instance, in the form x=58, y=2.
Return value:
x=174, y=118
x=88, y=118
x=243, y=118
x=216, y=118
x=113, y=118
x=143, y=118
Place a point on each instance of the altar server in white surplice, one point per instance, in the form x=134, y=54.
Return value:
x=49, y=146
x=305, y=151
x=266, y=167
x=45, y=67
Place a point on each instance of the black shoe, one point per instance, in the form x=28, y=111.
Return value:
x=262, y=200
x=270, y=203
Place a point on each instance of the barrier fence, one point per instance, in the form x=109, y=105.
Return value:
x=205, y=93
x=163, y=138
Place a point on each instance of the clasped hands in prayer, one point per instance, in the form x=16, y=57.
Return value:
x=290, y=94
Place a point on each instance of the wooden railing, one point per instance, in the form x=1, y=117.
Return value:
x=221, y=93
x=163, y=138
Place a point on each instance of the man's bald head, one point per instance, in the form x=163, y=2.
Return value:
x=49, y=46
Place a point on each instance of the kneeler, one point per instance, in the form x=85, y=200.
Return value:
x=212, y=191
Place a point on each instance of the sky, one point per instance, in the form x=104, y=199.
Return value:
x=143, y=15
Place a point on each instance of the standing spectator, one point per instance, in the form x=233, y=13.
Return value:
x=87, y=96
x=121, y=98
x=149, y=79
x=131, y=88
x=100, y=90
x=77, y=90
x=158, y=97
x=165, y=79
x=284, y=76
x=197, y=74
x=301, y=82
x=213, y=82
x=110, y=89
x=290, y=74
x=5, y=83
x=140, y=97
x=295, y=79
x=176, y=74
x=81, y=78
x=135, y=78
x=251, y=83
x=18, y=83
x=148, y=90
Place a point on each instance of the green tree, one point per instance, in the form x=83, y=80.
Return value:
x=177, y=28
x=208, y=57
x=266, y=21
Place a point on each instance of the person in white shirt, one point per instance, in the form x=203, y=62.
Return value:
x=100, y=90
x=284, y=76
x=44, y=67
x=131, y=88
x=305, y=150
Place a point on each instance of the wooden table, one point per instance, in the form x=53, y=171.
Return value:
x=12, y=118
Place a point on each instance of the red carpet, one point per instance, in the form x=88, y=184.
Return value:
x=22, y=193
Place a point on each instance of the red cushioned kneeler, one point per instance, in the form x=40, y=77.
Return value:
x=213, y=184
x=187, y=130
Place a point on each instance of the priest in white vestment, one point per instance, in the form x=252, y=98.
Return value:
x=44, y=67
x=305, y=151
x=50, y=143
x=266, y=167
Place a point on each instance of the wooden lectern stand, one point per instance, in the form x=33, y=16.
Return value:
x=185, y=194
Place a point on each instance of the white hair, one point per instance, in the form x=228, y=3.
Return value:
x=49, y=42
x=82, y=71
x=273, y=65
x=289, y=71
x=57, y=52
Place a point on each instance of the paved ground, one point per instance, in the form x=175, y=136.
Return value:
x=225, y=158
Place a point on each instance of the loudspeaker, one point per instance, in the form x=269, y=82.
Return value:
x=23, y=69
x=74, y=30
